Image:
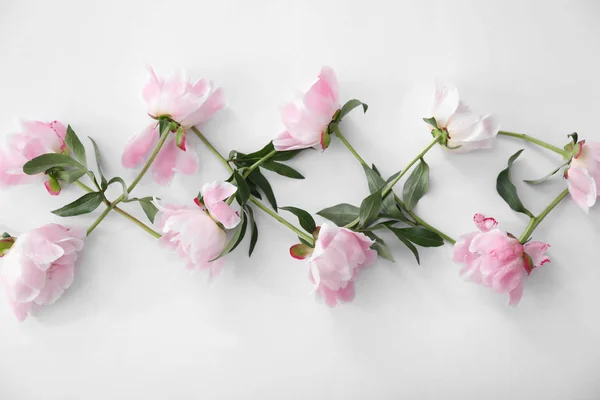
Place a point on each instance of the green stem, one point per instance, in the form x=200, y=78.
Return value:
x=137, y=180
x=389, y=187
x=535, y=221
x=257, y=163
x=253, y=199
x=212, y=149
x=282, y=220
x=414, y=216
x=122, y=212
x=535, y=141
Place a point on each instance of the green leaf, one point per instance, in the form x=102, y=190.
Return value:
x=376, y=182
x=122, y=182
x=508, y=191
x=69, y=175
x=236, y=238
x=431, y=121
x=574, y=136
x=306, y=220
x=263, y=184
x=257, y=154
x=83, y=205
x=340, y=214
x=164, y=126
x=351, y=105
x=243, y=191
x=419, y=235
x=147, y=206
x=253, y=230
x=51, y=160
x=370, y=208
x=75, y=146
x=409, y=245
x=546, y=177
x=282, y=169
x=416, y=185
x=286, y=155
x=99, y=164
x=380, y=247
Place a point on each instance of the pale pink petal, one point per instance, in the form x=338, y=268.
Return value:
x=445, y=102
x=321, y=98
x=225, y=215
x=164, y=165
x=140, y=146
x=537, y=252
x=483, y=223
x=213, y=103
x=59, y=279
x=213, y=193
x=187, y=161
x=515, y=295
x=284, y=141
x=582, y=188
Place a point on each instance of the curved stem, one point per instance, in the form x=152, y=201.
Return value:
x=212, y=149
x=137, y=180
x=122, y=212
x=533, y=140
x=389, y=187
x=414, y=216
x=282, y=220
x=535, y=221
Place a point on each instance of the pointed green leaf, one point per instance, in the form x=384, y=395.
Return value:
x=99, y=164
x=409, y=245
x=75, y=146
x=416, y=185
x=243, y=191
x=351, y=105
x=253, y=230
x=286, y=155
x=420, y=236
x=306, y=220
x=46, y=161
x=431, y=121
x=507, y=190
x=546, y=177
x=370, y=208
x=147, y=205
x=123, y=185
x=282, y=169
x=380, y=247
x=69, y=175
x=340, y=214
x=263, y=184
x=83, y=205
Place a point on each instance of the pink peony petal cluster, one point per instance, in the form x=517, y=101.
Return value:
x=40, y=266
x=170, y=160
x=466, y=130
x=583, y=175
x=193, y=234
x=185, y=102
x=213, y=196
x=306, y=121
x=497, y=259
x=37, y=138
x=338, y=257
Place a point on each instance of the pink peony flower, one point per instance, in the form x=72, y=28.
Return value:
x=583, y=175
x=497, y=259
x=193, y=234
x=40, y=266
x=306, y=121
x=338, y=257
x=213, y=195
x=170, y=159
x=466, y=131
x=185, y=102
x=37, y=138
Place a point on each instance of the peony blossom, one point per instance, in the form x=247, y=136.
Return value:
x=583, y=175
x=40, y=266
x=170, y=159
x=305, y=122
x=213, y=195
x=193, y=234
x=185, y=102
x=497, y=259
x=338, y=257
x=466, y=130
x=37, y=138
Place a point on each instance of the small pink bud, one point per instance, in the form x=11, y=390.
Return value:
x=52, y=186
x=300, y=251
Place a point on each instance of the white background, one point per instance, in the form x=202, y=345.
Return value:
x=137, y=324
